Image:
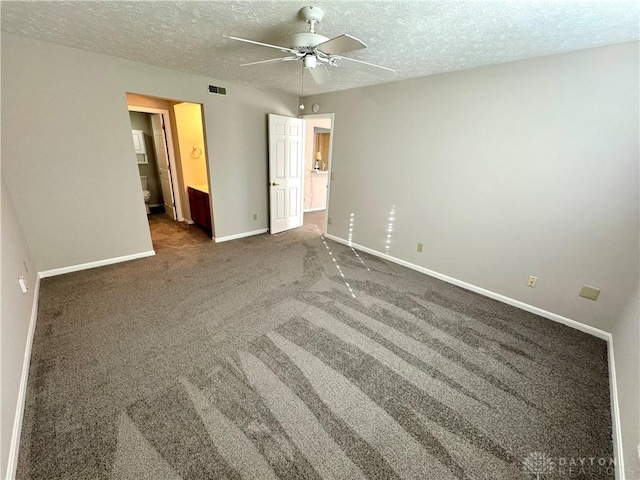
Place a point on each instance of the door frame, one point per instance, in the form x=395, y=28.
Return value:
x=175, y=184
x=330, y=170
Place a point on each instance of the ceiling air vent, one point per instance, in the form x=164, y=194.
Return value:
x=218, y=90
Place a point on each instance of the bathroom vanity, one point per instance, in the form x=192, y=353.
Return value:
x=200, y=206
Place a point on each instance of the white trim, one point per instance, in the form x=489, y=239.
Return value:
x=618, y=451
x=99, y=263
x=596, y=332
x=12, y=463
x=240, y=235
x=487, y=293
x=317, y=209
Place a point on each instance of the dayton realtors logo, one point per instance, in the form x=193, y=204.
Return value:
x=540, y=463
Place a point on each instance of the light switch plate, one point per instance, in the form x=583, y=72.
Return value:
x=589, y=292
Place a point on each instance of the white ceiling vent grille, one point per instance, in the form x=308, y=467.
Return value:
x=217, y=90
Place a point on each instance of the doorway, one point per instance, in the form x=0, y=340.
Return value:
x=152, y=145
x=177, y=170
x=318, y=164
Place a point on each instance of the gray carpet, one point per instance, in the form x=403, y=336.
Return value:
x=291, y=356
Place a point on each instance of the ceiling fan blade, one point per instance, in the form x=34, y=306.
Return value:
x=273, y=60
x=320, y=74
x=282, y=49
x=352, y=64
x=341, y=44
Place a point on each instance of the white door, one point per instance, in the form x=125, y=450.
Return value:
x=162, y=159
x=286, y=172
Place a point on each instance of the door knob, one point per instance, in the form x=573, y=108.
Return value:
x=275, y=184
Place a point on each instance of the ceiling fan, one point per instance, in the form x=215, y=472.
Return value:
x=318, y=52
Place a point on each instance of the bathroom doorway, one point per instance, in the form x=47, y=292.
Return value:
x=151, y=145
x=178, y=183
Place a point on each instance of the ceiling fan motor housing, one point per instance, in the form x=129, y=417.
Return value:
x=306, y=40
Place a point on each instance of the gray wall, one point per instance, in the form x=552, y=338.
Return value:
x=16, y=314
x=527, y=168
x=78, y=208
x=626, y=338
x=142, y=121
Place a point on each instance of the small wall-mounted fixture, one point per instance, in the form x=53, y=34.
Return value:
x=589, y=292
x=196, y=152
x=23, y=284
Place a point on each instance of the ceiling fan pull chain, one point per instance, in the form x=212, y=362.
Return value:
x=302, y=88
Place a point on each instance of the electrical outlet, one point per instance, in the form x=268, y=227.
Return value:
x=532, y=282
x=23, y=284
x=329, y=221
x=420, y=247
x=255, y=216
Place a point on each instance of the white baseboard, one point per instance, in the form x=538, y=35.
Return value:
x=241, y=235
x=12, y=463
x=99, y=263
x=615, y=411
x=487, y=293
x=618, y=451
x=317, y=209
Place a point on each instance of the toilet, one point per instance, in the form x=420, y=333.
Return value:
x=145, y=193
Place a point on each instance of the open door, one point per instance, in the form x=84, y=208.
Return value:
x=164, y=169
x=286, y=173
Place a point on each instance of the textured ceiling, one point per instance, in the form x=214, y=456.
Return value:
x=414, y=38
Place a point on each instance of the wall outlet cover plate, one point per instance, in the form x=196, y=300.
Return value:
x=589, y=292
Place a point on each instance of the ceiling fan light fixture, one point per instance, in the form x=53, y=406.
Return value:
x=310, y=61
